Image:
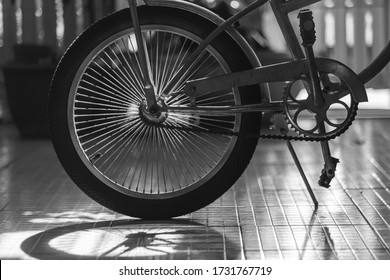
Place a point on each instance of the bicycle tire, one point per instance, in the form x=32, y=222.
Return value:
x=86, y=75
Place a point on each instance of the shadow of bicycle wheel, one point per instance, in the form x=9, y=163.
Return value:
x=129, y=239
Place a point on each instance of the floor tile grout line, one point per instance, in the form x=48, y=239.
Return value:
x=356, y=204
x=260, y=184
x=377, y=166
x=329, y=238
x=243, y=257
x=255, y=223
x=224, y=244
x=375, y=192
x=379, y=180
x=21, y=157
x=314, y=215
x=338, y=226
x=354, y=226
x=376, y=177
x=364, y=216
x=288, y=222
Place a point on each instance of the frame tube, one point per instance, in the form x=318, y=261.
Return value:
x=294, y=5
x=287, y=29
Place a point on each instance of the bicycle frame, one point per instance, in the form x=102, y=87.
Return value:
x=259, y=75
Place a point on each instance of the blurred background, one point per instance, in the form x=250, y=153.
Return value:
x=35, y=33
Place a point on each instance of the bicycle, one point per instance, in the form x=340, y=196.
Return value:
x=156, y=110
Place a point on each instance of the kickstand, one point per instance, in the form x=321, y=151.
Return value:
x=299, y=166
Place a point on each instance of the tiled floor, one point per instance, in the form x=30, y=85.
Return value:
x=266, y=215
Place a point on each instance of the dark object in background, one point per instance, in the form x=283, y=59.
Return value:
x=32, y=53
x=27, y=81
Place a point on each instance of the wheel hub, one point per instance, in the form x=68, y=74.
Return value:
x=156, y=115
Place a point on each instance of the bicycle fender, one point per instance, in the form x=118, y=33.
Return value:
x=193, y=8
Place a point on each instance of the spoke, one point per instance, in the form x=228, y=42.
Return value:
x=181, y=85
x=169, y=56
x=110, y=92
x=100, y=115
x=161, y=164
x=173, y=146
x=116, y=82
x=131, y=144
x=201, y=155
x=134, y=80
x=138, y=157
x=136, y=74
x=182, y=62
x=106, y=135
x=192, y=157
x=149, y=49
x=144, y=165
x=99, y=119
x=109, y=101
x=179, y=100
x=160, y=65
x=172, y=168
x=119, y=78
x=175, y=66
x=123, y=76
x=135, y=56
x=117, y=121
x=114, y=141
x=81, y=102
x=156, y=76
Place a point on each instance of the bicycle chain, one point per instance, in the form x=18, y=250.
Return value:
x=265, y=136
x=315, y=139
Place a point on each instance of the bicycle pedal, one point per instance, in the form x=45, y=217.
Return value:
x=327, y=175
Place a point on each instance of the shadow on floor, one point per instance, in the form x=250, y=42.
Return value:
x=129, y=239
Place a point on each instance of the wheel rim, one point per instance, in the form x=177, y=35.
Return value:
x=118, y=145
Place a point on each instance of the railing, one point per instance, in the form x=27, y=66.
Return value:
x=352, y=31
x=51, y=22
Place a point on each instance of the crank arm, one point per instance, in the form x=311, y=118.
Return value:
x=329, y=170
x=281, y=72
x=330, y=163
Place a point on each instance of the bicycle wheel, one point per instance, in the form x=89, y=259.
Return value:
x=109, y=147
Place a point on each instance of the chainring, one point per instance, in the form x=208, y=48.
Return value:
x=307, y=118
